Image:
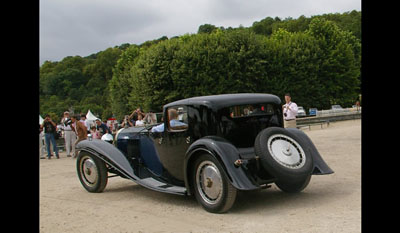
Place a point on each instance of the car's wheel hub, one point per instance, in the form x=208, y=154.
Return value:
x=89, y=171
x=209, y=182
x=286, y=151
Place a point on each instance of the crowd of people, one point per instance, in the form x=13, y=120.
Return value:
x=76, y=128
x=139, y=118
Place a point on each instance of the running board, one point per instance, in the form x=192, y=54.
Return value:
x=154, y=184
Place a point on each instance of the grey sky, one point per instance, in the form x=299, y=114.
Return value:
x=83, y=27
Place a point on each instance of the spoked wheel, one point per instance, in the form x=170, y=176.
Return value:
x=284, y=155
x=212, y=188
x=92, y=172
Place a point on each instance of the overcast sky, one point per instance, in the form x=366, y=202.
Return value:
x=84, y=27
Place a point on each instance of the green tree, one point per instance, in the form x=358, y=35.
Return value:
x=264, y=27
x=75, y=80
x=317, y=59
x=339, y=69
x=151, y=77
x=206, y=28
x=292, y=67
x=119, y=86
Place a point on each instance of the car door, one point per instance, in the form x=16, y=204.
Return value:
x=171, y=145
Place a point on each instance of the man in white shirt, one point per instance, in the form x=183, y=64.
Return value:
x=69, y=135
x=289, y=112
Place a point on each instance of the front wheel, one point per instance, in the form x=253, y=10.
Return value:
x=92, y=172
x=212, y=188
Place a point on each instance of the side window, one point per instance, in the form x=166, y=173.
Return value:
x=177, y=118
x=251, y=110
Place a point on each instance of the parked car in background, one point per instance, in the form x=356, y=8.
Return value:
x=301, y=112
x=312, y=112
x=337, y=108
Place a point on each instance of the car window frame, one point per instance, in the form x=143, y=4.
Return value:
x=175, y=129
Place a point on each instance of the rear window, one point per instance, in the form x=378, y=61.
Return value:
x=251, y=110
x=240, y=124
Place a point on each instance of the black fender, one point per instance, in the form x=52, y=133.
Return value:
x=226, y=154
x=116, y=159
x=109, y=154
x=320, y=167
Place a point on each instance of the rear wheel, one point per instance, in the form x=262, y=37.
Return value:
x=92, y=172
x=212, y=188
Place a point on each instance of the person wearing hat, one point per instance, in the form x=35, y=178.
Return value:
x=101, y=127
x=289, y=112
x=69, y=134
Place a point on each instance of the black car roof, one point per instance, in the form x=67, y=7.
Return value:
x=226, y=100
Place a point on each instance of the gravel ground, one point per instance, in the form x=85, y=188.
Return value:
x=330, y=203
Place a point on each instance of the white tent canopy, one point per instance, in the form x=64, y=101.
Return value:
x=90, y=116
x=40, y=119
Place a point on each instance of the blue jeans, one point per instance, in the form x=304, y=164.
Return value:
x=49, y=138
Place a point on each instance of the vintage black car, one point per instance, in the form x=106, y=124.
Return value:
x=210, y=147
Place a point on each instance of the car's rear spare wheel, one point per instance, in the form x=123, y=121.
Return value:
x=92, y=172
x=212, y=187
x=293, y=187
x=284, y=156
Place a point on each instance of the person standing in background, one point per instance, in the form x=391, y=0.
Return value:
x=101, y=127
x=139, y=121
x=80, y=129
x=126, y=123
x=358, y=105
x=49, y=130
x=150, y=118
x=135, y=113
x=85, y=122
x=289, y=112
x=95, y=134
x=41, y=144
x=69, y=134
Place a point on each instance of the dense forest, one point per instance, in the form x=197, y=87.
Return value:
x=316, y=59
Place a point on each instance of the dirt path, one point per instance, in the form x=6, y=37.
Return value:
x=330, y=203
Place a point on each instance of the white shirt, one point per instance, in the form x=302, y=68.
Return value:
x=172, y=123
x=158, y=128
x=139, y=123
x=66, y=128
x=291, y=111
